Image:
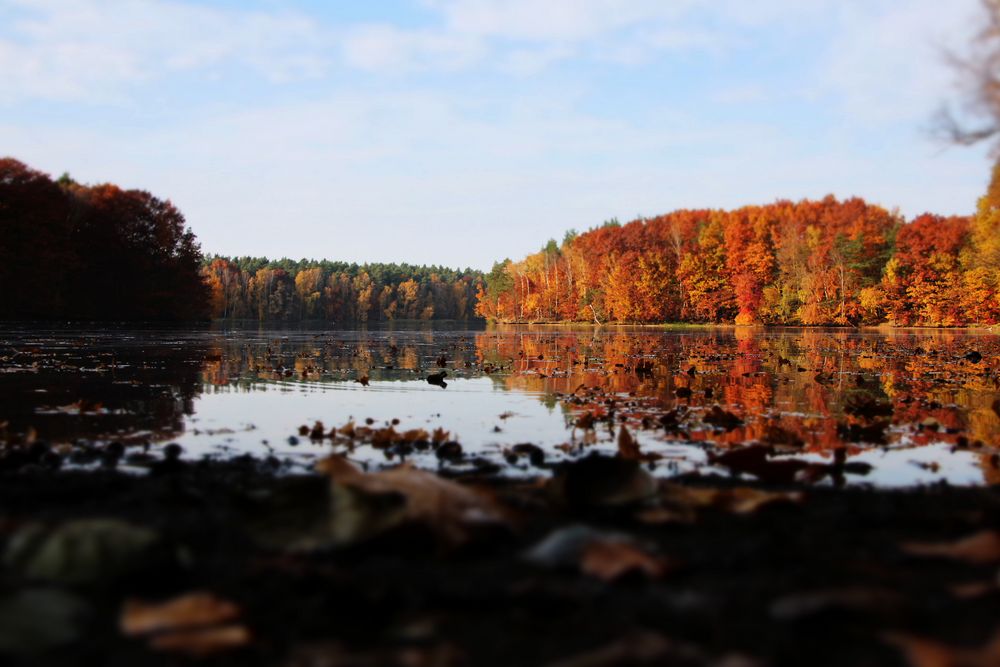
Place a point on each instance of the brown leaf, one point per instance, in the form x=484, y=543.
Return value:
x=347, y=430
x=745, y=500
x=682, y=503
x=203, y=641
x=335, y=654
x=628, y=448
x=753, y=460
x=368, y=504
x=981, y=548
x=850, y=598
x=612, y=560
x=635, y=648
x=973, y=589
x=929, y=653
x=661, y=515
x=185, y=611
x=197, y=624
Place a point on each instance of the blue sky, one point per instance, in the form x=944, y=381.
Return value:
x=457, y=132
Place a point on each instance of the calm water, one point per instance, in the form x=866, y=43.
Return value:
x=920, y=407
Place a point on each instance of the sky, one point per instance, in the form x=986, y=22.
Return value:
x=460, y=132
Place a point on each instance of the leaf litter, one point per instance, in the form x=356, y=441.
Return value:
x=754, y=538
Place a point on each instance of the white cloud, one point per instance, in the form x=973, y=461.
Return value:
x=886, y=60
x=89, y=49
x=387, y=48
x=552, y=20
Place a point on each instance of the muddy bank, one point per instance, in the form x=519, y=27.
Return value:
x=591, y=569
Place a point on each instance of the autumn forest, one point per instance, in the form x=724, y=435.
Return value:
x=100, y=252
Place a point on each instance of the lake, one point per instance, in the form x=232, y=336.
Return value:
x=906, y=407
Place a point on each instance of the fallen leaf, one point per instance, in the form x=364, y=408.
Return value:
x=811, y=603
x=197, y=624
x=203, y=641
x=628, y=448
x=369, y=504
x=186, y=611
x=973, y=589
x=981, y=548
x=335, y=654
x=922, y=652
x=632, y=649
x=753, y=460
x=744, y=500
x=612, y=560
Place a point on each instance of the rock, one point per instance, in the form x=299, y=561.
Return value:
x=449, y=451
x=437, y=379
x=563, y=547
x=535, y=454
x=84, y=551
x=36, y=620
x=600, y=481
x=722, y=418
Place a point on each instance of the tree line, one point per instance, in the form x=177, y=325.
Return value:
x=827, y=262
x=289, y=290
x=100, y=252
x=70, y=251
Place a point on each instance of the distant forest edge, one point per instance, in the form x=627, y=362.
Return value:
x=287, y=290
x=825, y=262
x=69, y=251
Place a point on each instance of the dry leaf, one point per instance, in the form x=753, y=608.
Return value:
x=982, y=548
x=928, y=653
x=850, y=598
x=628, y=448
x=973, y=589
x=202, y=641
x=190, y=610
x=739, y=500
x=744, y=500
x=197, y=624
x=367, y=504
x=611, y=560
x=662, y=515
x=634, y=648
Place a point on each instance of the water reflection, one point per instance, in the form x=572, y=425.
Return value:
x=920, y=406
